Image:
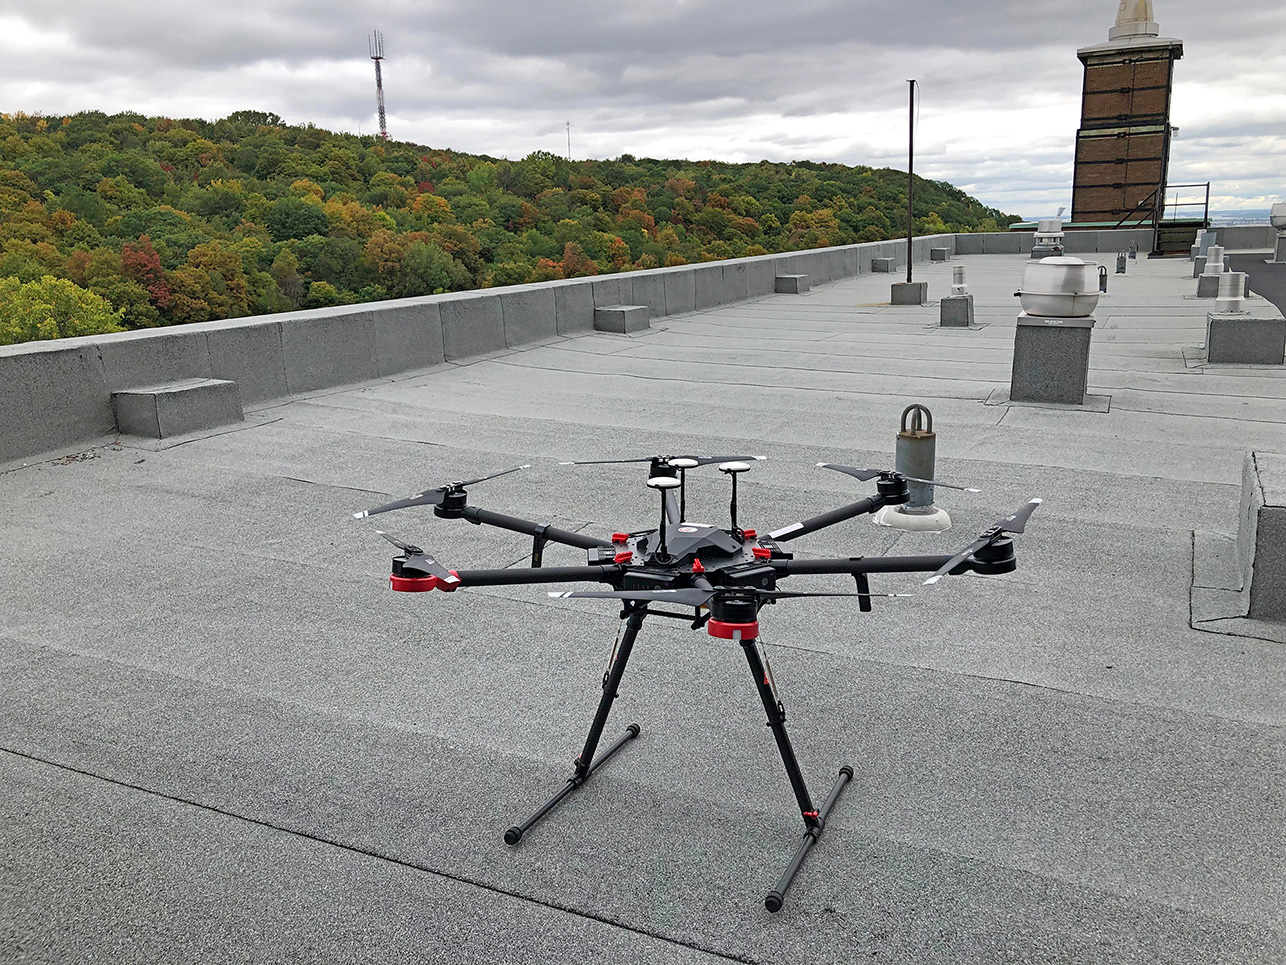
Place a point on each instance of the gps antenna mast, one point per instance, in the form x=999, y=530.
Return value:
x=910, y=177
x=376, y=45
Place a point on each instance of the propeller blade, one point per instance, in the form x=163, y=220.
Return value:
x=432, y=497
x=960, y=557
x=1014, y=523
x=690, y=597
x=1018, y=521
x=868, y=474
x=429, y=566
x=789, y=594
x=408, y=548
x=700, y=460
x=494, y=475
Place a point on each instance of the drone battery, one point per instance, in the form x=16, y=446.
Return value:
x=640, y=579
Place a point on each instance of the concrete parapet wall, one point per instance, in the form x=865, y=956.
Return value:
x=57, y=394
x=1246, y=237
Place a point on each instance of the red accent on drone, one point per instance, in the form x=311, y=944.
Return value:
x=749, y=533
x=762, y=552
x=696, y=566
x=724, y=631
x=620, y=537
x=810, y=814
x=624, y=557
x=422, y=584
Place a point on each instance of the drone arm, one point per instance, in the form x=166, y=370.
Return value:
x=539, y=574
x=869, y=505
x=525, y=526
x=865, y=564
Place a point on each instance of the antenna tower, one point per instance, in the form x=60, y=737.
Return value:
x=376, y=45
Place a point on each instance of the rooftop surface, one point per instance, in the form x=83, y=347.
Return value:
x=224, y=739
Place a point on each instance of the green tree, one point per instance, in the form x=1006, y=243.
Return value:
x=52, y=308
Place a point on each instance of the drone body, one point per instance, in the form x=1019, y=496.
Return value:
x=723, y=576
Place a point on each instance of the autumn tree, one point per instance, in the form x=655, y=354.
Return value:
x=52, y=308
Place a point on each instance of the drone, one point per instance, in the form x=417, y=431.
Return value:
x=720, y=578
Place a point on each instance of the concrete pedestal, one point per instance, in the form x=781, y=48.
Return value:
x=622, y=319
x=791, y=284
x=956, y=311
x=939, y=254
x=1051, y=359
x=1279, y=255
x=161, y=411
x=882, y=266
x=1198, y=266
x=1208, y=286
x=1261, y=535
x=910, y=292
x=1240, y=338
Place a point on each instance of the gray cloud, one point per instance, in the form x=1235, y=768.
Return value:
x=734, y=79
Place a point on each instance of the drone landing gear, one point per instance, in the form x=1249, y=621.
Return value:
x=583, y=767
x=814, y=819
x=747, y=635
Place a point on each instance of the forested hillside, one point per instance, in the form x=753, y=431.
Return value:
x=131, y=221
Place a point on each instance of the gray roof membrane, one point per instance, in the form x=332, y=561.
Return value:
x=224, y=740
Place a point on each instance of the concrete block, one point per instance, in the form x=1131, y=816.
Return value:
x=327, y=348
x=53, y=395
x=1199, y=266
x=761, y=276
x=939, y=254
x=1051, y=359
x=157, y=412
x=647, y=288
x=708, y=279
x=573, y=306
x=956, y=311
x=1261, y=534
x=910, y=292
x=615, y=289
x=883, y=265
x=621, y=319
x=472, y=324
x=529, y=314
x=791, y=284
x=969, y=244
x=248, y=351
x=680, y=290
x=1241, y=338
x=735, y=286
x=1208, y=286
x=408, y=335
x=152, y=356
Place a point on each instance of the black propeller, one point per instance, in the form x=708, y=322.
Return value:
x=418, y=561
x=666, y=460
x=1014, y=524
x=868, y=474
x=432, y=497
x=695, y=597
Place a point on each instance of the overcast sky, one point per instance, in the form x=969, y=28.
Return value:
x=739, y=80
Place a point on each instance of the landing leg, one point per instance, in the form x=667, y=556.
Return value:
x=814, y=820
x=586, y=764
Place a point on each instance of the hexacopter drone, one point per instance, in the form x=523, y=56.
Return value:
x=724, y=575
